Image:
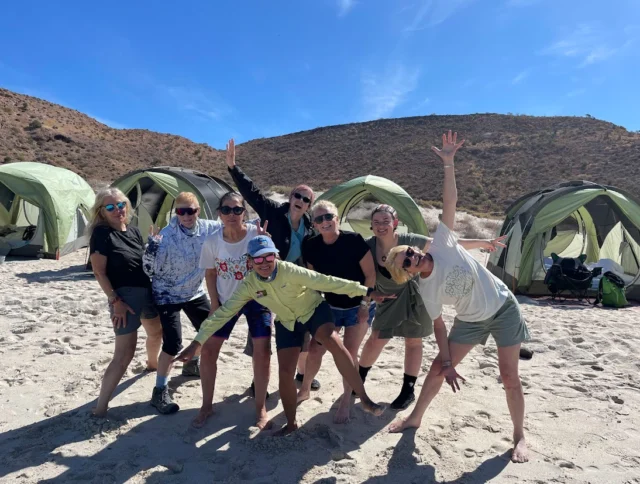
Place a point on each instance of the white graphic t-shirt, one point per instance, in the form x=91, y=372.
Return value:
x=461, y=281
x=230, y=260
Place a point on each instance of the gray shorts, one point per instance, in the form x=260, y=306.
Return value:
x=507, y=327
x=140, y=300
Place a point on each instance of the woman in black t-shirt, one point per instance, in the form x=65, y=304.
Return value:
x=116, y=258
x=341, y=254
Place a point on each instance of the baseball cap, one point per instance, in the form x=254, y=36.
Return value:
x=260, y=245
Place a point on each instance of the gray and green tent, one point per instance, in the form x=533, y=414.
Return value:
x=570, y=219
x=348, y=195
x=43, y=210
x=152, y=192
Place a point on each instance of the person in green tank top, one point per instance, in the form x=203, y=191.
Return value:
x=405, y=316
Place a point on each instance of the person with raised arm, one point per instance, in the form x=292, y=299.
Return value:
x=484, y=306
x=289, y=224
x=406, y=316
x=293, y=294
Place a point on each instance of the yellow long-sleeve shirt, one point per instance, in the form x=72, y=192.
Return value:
x=293, y=295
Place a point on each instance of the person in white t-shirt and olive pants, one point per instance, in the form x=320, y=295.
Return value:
x=484, y=306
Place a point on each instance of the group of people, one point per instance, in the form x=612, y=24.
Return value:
x=293, y=272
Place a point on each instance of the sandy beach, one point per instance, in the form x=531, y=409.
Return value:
x=582, y=393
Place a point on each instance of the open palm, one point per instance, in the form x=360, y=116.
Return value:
x=231, y=153
x=449, y=147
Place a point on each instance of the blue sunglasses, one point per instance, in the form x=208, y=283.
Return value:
x=111, y=207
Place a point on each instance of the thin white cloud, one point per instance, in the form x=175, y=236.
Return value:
x=588, y=45
x=520, y=77
x=108, y=122
x=433, y=12
x=195, y=100
x=345, y=6
x=382, y=94
x=577, y=92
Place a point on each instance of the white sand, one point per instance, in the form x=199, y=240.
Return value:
x=582, y=392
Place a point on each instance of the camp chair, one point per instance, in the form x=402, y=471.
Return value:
x=569, y=274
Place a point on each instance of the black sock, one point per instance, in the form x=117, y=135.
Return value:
x=364, y=371
x=299, y=376
x=406, y=394
x=408, y=383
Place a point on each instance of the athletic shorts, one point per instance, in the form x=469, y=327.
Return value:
x=196, y=310
x=507, y=327
x=258, y=319
x=295, y=339
x=345, y=318
x=140, y=300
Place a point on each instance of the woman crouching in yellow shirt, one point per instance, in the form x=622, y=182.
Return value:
x=291, y=292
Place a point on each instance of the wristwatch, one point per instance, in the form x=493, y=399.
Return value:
x=365, y=304
x=446, y=364
x=113, y=299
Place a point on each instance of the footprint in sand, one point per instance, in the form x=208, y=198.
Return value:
x=566, y=464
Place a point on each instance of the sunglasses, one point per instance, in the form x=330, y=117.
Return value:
x=186, y=211
x=320, y=218
x=302, y=197
x=408, y=260
x=111, y=206
x=226, y=210
x=261, y=259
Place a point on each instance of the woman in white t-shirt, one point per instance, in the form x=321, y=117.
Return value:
x=224, y=257
x=484, y=306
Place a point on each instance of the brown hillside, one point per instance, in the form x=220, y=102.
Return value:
x=504, y=156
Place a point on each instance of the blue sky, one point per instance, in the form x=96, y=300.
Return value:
x=210, y=70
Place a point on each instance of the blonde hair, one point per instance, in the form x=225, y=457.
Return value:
x=187, y=198
x=398, y=274
x=328, y=206
x=97, y=216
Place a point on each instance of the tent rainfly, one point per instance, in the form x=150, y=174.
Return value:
x=570, y=219
x=152, y=192
x=43, y=210
x=348, y=194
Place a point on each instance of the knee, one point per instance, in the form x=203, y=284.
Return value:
x=123, y=359
x=413, y=344
x=286, y=374
x=172, y=346
x=316, y=349
x=211, y=349
x=331, y=343
x=436, y=367
x=261, y=350
x=510, y=378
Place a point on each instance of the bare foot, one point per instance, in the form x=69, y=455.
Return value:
x=402, y=424
x=342, y=414
x=285, y=430
x=201, y=418
x=520, y=452
x=302, y=396
x=263, y=422
x=373, y=408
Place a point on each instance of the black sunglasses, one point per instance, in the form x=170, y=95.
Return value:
x=226, y=210
x=111, y=207
x=186, y=211
x=320, y=218
x=302, y=197
x=408, y=260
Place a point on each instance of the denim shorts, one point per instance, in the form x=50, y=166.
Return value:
x=258, y=319
x=140, y=300
x=295, y=339
x=345, y=318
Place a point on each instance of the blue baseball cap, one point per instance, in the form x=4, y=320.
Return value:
x=260, y=245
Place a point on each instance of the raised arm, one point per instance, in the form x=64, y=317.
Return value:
x=155, y=255
x=449, y=191
x=246, y=187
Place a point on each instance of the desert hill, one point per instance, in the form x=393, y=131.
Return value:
x=504, y=155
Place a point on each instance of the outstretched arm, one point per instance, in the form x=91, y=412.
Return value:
x=449, y=191
x=246, y=187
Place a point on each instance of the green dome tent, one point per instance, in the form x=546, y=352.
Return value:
x=570, y=219
x=43, y=210
x=152, y=192
x=349, y=194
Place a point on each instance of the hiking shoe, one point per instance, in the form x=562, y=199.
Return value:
x=315, y=384
x=162, y=401
x=403, y=401
x=253, y=391
x=191, y=368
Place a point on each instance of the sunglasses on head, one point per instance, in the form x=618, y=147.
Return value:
x=186, y=210
x=302, y=197
x=226, y=210
x=261, y=259
x=408, y=260
x=320, y=218
x=112, y=206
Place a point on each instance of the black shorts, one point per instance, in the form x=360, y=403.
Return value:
x=295, y=339
x=196, y=310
